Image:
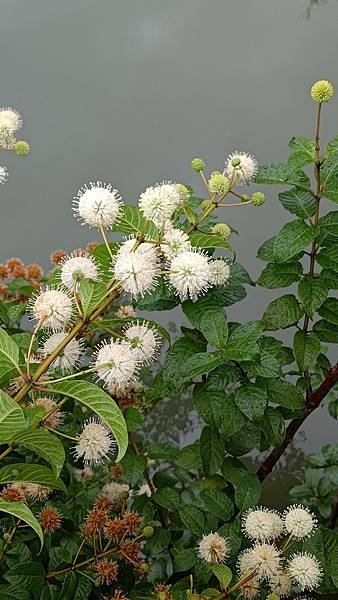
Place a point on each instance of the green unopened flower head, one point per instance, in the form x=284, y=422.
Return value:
x=222, y=230
x=197, y=164
x=183, y=191
x=245, y=198
x=322, y=91
x=218, y=183
x=258, y=198
x=148, y=531
x=205, y=204
x=22, y=148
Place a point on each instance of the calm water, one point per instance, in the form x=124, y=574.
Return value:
x=128, y=91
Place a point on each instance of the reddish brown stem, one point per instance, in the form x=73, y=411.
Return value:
x=313, y=401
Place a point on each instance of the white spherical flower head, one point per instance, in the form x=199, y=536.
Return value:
x=68, y=357
x=241, y=167
x=305, y=570
x=260, y=524
x=220, y=271
x=249, y=589
x=144, y=490
x=144, y=341
x=10, y=122
x=125, y=310
x=3, y=175
x=299, y=521
x=145, y=249
x=76, y=268
x=213, y=548
x=95, y=444
x=174, y=241
x=116, y=363
x=190, y=274
x=113, y=491
x=136, y=270
x=264, y=558
x=97, y=205
x=280, y=584
x=158, y=203
x=48, y=404
x=52, y=308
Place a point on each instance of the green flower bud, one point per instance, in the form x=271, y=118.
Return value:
x=7, y=536
x=143, y=568
x=148, y=531
x=197, y=164
x=183, y=191
x=222, y=230
x=124, y=495
x=22, y=148
x=219, y=183
x=258, y=198
x=245, y=198
x=205, y=204
x=236, y=162
x=322, y=91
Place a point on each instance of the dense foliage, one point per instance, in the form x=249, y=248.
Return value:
x=89, y=508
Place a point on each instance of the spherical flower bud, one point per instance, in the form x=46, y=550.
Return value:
x=305, y=570
x=3, y=175
x=213, y=548
x=95, y=443
x=148, y=531
x=218, y=183
x=22, y=148
x=245, y=198
x=299, y=521
x=222, y=230
x=183, y=192
x=197, y=164
x=322, y=91
x=258, y=198
x=205, y=204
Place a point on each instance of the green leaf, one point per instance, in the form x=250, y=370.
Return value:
x=281, y=174
x=265, y=251
x=213, y=325
x=9, y=358
x=159, y=541
x=280, y=275
x=185, y=559
x=49, y=592
x=304, y=152
x=168, y=498
x=330, y=278
x=242, y=342
x=312, y=292
x=103, y=258
x=248, y=491
x=218, y=503
x=99, y=402
x=326, y=332
x=133, y=468
x=324, y=545
x=282, y=313
x=162, y=451
x=306, y=349
x=133, y=418
x=205, y=240
x=284, y=393
x=160, y=298
x=252, y=401
x=211, y=451
x=131, y=221
x=329, y=310
x=44, y=444
x=195, y=365
x=298, y=202
x=328, y=225
x=31, y=474
x=193, y=519
x=328, y=257
x=274, y=426
x=29, y=575
x=21, y=510
x=293, y=238
x=217, y=410
x=75, y=587
x=238, y=274
x=223, y=574
x=12, y=419
x=91, y=294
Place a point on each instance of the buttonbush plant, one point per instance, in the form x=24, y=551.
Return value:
x=88, y=507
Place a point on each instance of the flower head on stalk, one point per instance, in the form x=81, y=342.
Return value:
x=97, y=205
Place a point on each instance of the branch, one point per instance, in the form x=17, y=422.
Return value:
x=313, y=401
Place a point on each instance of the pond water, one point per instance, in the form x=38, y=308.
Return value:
x=130, y=91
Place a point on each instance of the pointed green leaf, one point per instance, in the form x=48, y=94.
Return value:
x=218, y=503
x=281, y=174
x=242, y=341
x=251, y=401
x=306, y=349
x=280, y=275
x=213, y=325
x=298, y=202
x=312, y=293
x=206, y=240
x=292, y=238
x=131, y=221
x=21, y=510
x=91, y=293
x=12, y=418
x=248, y=491
x=9, y=358
x=282, y=312
x=44, y=444
x=99, y=402
x=223, y=574
x=329, y=310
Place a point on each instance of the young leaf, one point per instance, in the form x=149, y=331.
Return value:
x=282, y=312
x=91, y=293
x=12, y=418
x=223, y=574
x=103, y=405
x=205, y=240
x=44, y=444
x=21, y=510
x=303, y=152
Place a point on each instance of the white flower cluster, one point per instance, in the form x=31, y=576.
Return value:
x=265, y=561
x=10, y=123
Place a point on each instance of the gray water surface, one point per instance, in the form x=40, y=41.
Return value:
x=128, y=91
